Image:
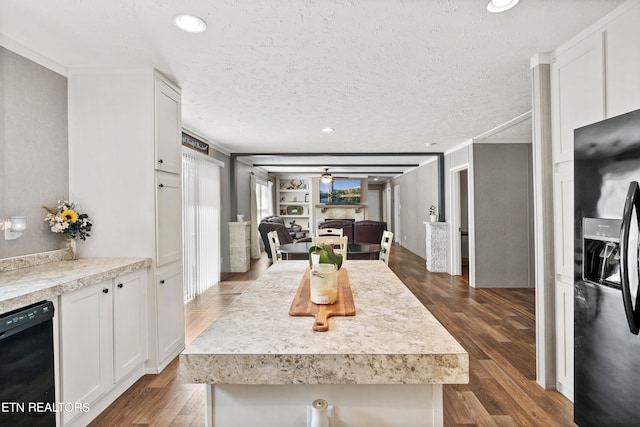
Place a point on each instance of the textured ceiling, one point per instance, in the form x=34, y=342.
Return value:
x=268, y=75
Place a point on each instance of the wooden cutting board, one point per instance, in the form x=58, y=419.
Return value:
x=302, y=305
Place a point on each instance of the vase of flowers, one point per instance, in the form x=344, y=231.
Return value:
x=65, y=219
x=433, y=213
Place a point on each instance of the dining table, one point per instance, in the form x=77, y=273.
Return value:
x=361, y=251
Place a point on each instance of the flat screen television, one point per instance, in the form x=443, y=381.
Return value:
x=340, y=192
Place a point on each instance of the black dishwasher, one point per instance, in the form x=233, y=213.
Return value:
x=27, y=385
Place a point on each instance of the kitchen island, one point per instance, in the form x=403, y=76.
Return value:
x=385, y=366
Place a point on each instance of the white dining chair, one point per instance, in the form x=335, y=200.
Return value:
x=320, y=232
x=274, y=243
x=339, y=243
x=385, y=250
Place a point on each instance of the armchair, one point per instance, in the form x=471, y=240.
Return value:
x=285, y=235
x=369, y=231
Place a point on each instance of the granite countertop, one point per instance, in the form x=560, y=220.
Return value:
x=392, y=339
x=29, y=284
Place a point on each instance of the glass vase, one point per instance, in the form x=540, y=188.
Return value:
x=72, y=249
x=324, y=284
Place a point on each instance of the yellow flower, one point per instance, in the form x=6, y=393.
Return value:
x=69, y=215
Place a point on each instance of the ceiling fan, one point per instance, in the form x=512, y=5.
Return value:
x=326, y=177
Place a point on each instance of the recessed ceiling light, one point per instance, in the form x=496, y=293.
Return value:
x=328, y=130
x=430, y=144
x=497, y=6
x=190, y=23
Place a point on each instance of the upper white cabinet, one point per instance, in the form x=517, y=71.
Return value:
x=623, y=63
x=168, y=125
x=577, y=93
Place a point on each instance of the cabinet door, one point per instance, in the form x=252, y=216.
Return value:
x=86, y=344
x=168, y=128
x=168, y=218
x=563, y=211
x=623, y=63
x=564, y=338
x=169, y=312
x=129, y=323
x=577, y=93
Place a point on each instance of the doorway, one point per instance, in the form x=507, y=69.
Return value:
x=460, y=223
x=373, y=205
x=396, y=213
x=386, y=206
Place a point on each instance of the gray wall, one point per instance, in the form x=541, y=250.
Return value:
x=34, y=159
x=503, y=215
x=418, y=191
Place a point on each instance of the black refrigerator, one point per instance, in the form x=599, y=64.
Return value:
x=606, y=317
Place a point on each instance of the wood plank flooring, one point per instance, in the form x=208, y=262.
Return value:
x=496, y=327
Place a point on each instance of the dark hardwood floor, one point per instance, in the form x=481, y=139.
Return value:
x=496, y=327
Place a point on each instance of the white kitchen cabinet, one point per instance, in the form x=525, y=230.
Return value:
x=85, y=344
x=564, y=338
x=168, y=125
x=168, y=218
x=623, y=63
x=102, y=342
x=120, y=124
x=169, y=312
x=129, y=323
x=577, y=92
x=593, y=77
x=564, y=220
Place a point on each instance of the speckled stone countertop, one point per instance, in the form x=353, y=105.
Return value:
x=392, y=339
x=23, y=286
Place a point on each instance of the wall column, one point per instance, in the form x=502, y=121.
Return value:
x=543, y=220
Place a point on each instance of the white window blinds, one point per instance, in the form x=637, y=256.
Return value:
x=201, y=224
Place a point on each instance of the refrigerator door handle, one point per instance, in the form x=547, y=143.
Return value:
x=632, y=204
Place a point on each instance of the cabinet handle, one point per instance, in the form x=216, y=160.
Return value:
x=160, y=161
x=161, y=185
x=120, y=285
x=162, y=281
x=105, y=291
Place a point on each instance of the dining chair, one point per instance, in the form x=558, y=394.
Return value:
x=274, y=243
x=339, y=244
x=329, y=232
x=385, y=250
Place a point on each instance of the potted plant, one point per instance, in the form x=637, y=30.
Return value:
x=433, y=213
x=324, y=264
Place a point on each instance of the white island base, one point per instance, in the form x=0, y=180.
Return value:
x=406, y=405
x=385, y=366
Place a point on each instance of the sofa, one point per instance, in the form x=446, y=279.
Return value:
x=368, y=231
